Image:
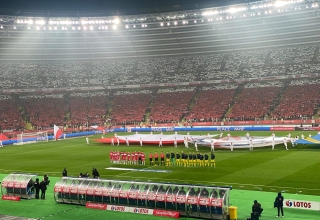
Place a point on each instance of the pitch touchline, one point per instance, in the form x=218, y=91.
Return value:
x=225, y=183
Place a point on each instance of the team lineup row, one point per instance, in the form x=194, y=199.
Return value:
x=168, y=159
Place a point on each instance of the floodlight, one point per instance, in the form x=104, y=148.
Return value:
x=127, y=26
x=134, y=26
x=14, y=27
x=145, y=25
x=280, y=3
x=168, y=23
x=91, y=28
x=99, y=28
x=195, y=21
x=50, y=28
x=62, y=28
x=106, y=27
x=175, y=23
x=44, y=28
x=114, y=27
x=38, y=28
x=79, y=28
x=142, y=25
x=55, y=28
x=116, y=21
x=161, y=24
x=201, y=20
x=102, y=27
x=84, y=28
x=28, y=28
x=73, y=28
x=41, y=22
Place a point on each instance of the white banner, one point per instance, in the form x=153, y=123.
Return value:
x=130, y=209
x=300, y=204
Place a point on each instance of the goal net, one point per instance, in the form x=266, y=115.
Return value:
x=33, y=137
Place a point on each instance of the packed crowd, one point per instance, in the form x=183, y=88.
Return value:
x=290, y=61
x=286, y=99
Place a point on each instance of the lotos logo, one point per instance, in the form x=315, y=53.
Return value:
x=306, y=205
x=289, y=203
x=301, y=204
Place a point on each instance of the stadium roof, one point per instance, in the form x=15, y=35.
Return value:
x=202, y=30
x=107, y=7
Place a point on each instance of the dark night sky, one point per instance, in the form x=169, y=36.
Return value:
x=95, y=5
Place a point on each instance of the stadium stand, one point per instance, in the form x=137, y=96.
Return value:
x=212, y=103
x=10, y=117
x=87, y=108
x=254, y=103
x=171, y=104
x=43, y=111
x=265, y=63
x=129, y=107
x=301, y=99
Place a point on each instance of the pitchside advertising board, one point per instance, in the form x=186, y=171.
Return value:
x=300, y=204
x=144, y=211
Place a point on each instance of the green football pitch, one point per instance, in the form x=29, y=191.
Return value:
x=256, y=174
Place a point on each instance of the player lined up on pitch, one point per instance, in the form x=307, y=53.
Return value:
x=163, y=159
x=127, y=158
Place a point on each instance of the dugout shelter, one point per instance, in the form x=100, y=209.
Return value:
x=207, y=202
x=19, y=184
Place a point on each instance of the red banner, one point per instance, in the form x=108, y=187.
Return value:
x=92, y=205
x=11, y=198
x=165, y=213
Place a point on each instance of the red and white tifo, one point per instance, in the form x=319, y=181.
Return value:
x=147, y=139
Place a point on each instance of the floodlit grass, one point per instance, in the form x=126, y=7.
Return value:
x=293, y=170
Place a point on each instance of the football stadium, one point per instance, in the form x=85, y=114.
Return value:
x=206, y=111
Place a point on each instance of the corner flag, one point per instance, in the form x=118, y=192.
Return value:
x=57, y=132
